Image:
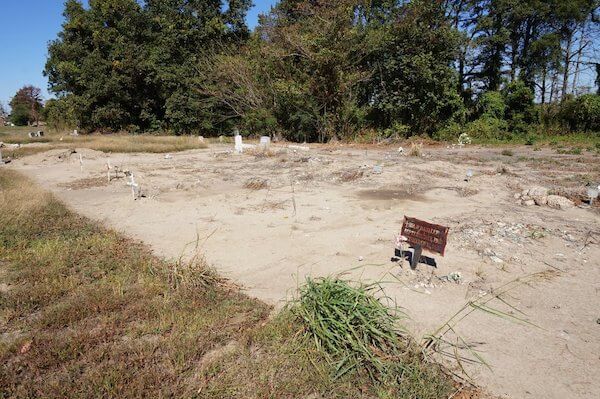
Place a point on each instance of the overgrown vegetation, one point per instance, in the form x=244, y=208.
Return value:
x=87, y=313
x=319, y=70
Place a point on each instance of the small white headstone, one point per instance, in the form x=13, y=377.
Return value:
x=265, y=142
x=239, y=145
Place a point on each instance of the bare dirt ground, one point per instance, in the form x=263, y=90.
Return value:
x=267, y=222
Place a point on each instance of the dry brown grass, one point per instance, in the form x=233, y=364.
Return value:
x=415, y=150
x=350, y=175
x=117, y=143
x=87, y=313
x=256, y=183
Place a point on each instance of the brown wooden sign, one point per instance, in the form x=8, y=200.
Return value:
x=431, y=237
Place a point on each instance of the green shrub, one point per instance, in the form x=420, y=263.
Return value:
x=259, y=122
x=20, y=116
x=491, y=104
x=487, y=128
x=530, y=139
x=582, y=113
x=450, y=132
x=520, y=109
x=60, y=114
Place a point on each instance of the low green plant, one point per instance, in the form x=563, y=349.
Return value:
x=361, y=335
x=354, y=328
x=531, y=139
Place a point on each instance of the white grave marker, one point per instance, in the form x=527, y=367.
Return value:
x=239, y=145
x=265, y=142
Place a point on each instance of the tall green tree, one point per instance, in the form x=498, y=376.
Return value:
x=413, y=81
x=130, y=64
x=26, y=106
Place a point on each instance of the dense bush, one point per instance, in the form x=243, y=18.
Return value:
x=491, y=104
x=60, y=113
x=582, y=113
x=487, y=128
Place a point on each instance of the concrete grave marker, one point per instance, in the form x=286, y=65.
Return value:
x=265, y=142
x=239, y=145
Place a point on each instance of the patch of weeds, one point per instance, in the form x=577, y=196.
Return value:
x=361, y=335
x=351, y=175
x=537, y=234
x=256, y=183
x=415, y=150
x=531, y=139
x=507, y=152
x=571, y=151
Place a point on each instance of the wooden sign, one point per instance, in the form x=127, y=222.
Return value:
x=431, y=237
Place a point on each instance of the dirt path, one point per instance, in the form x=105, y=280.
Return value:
x=326, y=208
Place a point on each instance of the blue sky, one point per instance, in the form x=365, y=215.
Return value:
x=26, y=27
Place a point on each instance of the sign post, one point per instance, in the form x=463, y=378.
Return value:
x=423, y=235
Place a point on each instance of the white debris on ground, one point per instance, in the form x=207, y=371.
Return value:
x=464, y=139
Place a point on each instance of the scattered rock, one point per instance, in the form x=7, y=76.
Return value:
x=528, y=202
x=496, y=259
x=541, y=201
x=455, y=277
x=558, y=202
x=25, y=347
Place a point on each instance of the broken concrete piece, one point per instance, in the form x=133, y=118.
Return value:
x=541, y=200
x=533, y=196
x=539, y=195
x=558, y=202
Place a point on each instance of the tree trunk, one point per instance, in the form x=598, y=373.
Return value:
x=567, y=61
x=553, y=84
x=543, y=86
x=578, y=62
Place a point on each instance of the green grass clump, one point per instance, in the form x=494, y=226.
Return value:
x=571, y=151
x=351, y=325
x=361, y=335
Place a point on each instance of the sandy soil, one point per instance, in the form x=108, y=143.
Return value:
x=326, y=211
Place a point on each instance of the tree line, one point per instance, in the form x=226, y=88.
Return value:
x=316, y=70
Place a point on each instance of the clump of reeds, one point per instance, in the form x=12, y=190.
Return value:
x=351, y=326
